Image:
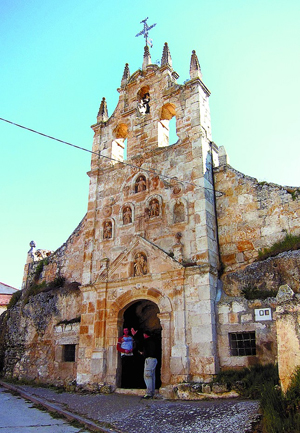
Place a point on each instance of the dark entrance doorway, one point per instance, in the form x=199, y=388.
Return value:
x=142, y=316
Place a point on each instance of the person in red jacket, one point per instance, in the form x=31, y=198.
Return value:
x=125, y=346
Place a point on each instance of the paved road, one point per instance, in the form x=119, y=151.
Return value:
x=19, y=416
x=117, y=413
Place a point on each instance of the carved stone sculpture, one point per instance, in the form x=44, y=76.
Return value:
x=154, y=208
x=107, y=230
x=140, y=265
x=127, y=215
x=140, y=184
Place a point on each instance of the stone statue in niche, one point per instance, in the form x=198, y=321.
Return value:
x=140, y=184
x=179, y=214
x=127, y=215
x=140, y=265
x=154, y=208
x=107, y=230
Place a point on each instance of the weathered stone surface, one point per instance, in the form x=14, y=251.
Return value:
x=34, y=338
x=268, y=274
x=285, y=293
x=288, y=335
x=251, y=216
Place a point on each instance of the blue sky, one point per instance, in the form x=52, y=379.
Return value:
x=59, y=58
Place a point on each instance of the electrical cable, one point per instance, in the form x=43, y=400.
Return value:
x=152, y=171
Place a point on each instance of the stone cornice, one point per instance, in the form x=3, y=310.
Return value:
x=145, y=280
x=199, y=82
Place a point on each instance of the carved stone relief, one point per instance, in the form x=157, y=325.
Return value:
x=140, y=265
x=177, y=189
x=107, y=230
x=154, y=208
x=140, y=184
x=107, y=210
x=179, y=212
x=155, y=182
x=127, y=215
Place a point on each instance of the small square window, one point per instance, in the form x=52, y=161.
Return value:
x=69, y=353
x=242, y=343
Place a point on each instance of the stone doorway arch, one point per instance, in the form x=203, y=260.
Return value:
x=142, y=315
x=114, y=326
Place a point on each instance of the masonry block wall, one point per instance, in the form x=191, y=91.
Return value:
x=66, y=261
x=288, y=334
x=252, y=216
x=237, y=318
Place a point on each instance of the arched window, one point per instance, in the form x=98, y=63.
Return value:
x=167, y=125
x=119, y=145
x=144, y=100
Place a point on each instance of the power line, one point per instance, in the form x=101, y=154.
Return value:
x=151, y=171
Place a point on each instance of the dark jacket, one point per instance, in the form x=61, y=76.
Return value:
x=149, y=348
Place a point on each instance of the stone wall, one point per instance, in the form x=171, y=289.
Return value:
x=66, y=261
x=237, y=315
x=288, y=335
x=252, y=216
x=36, y=331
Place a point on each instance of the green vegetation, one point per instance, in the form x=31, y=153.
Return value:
x=39, y=268
x=14, y=299
x=280, y=412
x=35, y=289
x=251, y=293
x=248, y=382
x=289, y=243
x=295, y=193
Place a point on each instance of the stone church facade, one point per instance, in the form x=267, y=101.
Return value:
x=170, y=240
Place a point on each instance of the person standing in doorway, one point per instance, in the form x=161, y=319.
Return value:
x=149, y=353
x=125, y=346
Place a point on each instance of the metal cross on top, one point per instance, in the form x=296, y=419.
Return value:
x=145, y=32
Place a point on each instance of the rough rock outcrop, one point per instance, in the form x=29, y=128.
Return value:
x=268, y=274
x=30, y=343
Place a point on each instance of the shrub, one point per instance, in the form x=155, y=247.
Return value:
x=14, y=299
x=57, y=282
x=289, y=243
x=35, y=289
x=249, y=382
x=281, y=412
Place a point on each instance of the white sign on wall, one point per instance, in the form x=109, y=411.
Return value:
x=263, y=314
